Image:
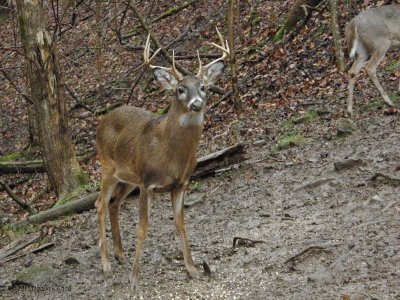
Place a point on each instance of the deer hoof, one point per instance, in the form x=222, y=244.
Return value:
x=120, y=258
x=133, y=283
x=193, y=273
x=106, y=267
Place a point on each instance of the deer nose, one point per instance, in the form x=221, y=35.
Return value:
x=196, y=104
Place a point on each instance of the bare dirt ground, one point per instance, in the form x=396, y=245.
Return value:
x=317, y=233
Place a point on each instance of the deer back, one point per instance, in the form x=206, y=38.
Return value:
x=375, y=27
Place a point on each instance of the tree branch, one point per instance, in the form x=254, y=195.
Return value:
x=18, y=200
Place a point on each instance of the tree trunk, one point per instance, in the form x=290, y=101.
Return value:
x=99, y=48
x=48, y=95
x=301, y=10
x=33, y=129
x=336, y=36
x=231, y=41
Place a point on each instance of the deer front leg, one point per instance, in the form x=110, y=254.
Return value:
x=107, y=188
x=177, y=204
x=144, y=200
x=120, y=193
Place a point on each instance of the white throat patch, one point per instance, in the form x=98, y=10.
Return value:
x=191, y=118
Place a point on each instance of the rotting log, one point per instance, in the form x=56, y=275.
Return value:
x=205, y=167
x=84, y=204
x=33, y=166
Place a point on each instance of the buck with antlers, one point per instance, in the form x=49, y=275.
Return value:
x=370, y=35
x=155, y=153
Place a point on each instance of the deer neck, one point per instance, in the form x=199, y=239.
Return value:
x=183, y=127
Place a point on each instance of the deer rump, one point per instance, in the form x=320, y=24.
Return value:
x=373, y=25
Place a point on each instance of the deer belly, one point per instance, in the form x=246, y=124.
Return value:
x=159, y=183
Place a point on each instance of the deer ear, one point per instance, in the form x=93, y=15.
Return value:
x=212, y=73
x=165, y=79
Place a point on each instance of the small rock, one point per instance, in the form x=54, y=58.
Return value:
x=321, y=276
x=348, y=164
x=378, y=198
x=36, y=276
x=194, y=199
x=375, y=200
x=71, y=261
x=345, y=127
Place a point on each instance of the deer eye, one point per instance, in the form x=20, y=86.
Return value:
x=202, y=88
x=181, y=90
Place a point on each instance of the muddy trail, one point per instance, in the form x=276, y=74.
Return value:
x=316, y=221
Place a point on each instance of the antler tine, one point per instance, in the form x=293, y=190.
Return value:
x=174, y=69
x=146, y=54
x=221, y=39
x=225, y=52
x=147, y=60
x=200, y=64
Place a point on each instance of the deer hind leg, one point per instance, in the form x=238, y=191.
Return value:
x=120, y=193
x=177, y=204
x=144, y=201
x=107, y=189
x=371, y=66
x=361, y=58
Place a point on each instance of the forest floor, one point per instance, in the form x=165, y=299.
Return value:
x=315, y=215
x=316, y=232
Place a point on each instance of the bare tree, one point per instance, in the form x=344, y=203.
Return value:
x=336, y=36
x=47, y=90
x=231, y=40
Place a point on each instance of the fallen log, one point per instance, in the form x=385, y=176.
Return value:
x=21, y=167
x=77, y=206
x=205, y=167
x=33, y=166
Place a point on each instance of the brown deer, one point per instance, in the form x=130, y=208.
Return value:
x=369, y=36
x=155, y=153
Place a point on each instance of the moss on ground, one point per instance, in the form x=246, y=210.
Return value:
x=290, y=140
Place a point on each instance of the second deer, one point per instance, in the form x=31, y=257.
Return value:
x=155, y=153
x=369, y=36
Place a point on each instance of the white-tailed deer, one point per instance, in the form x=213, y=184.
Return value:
x=370, y=35
x=155, y=153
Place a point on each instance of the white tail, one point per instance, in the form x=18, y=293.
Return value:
x=157, y=154
x=355, y=44
x=369, y=36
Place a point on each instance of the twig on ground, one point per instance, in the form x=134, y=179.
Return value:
x=17, y=199
x=239, y=241
x=19, y=244
x=391, y=180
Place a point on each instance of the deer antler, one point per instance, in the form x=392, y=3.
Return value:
x=147, y=59
x=225, y=53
